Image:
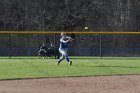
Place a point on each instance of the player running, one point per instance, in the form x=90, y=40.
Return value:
x=64, y=41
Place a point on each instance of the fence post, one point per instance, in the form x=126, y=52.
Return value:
x=54, y=38
x=100, y=46
x=9, y=37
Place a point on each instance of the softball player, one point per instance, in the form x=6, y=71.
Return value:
x=64, y=47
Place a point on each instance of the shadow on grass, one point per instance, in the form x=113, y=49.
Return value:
x=108, y=58
x=25, y=58
x=85, y=58
x=108, y=66
x=118, y=66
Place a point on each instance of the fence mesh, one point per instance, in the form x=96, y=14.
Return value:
x=83, y=45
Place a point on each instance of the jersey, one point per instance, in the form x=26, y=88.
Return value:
x=63, y=43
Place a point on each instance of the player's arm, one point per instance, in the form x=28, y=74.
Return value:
x=64, y=41
x=70, y=39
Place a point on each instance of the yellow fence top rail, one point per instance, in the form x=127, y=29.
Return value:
x=56, y=32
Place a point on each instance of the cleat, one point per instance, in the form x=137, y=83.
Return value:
x=58, y=63
x=70, y=63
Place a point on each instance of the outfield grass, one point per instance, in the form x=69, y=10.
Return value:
x=24, y=67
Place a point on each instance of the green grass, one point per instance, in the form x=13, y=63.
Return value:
x=32, y=67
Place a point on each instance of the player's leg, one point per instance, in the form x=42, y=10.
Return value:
x=67, y=57
x=39, y=54
x=68, y=60
x=62, y=56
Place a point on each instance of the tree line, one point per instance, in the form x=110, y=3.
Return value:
x=70, y=15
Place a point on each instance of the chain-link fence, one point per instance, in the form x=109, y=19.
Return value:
x=83, y=45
